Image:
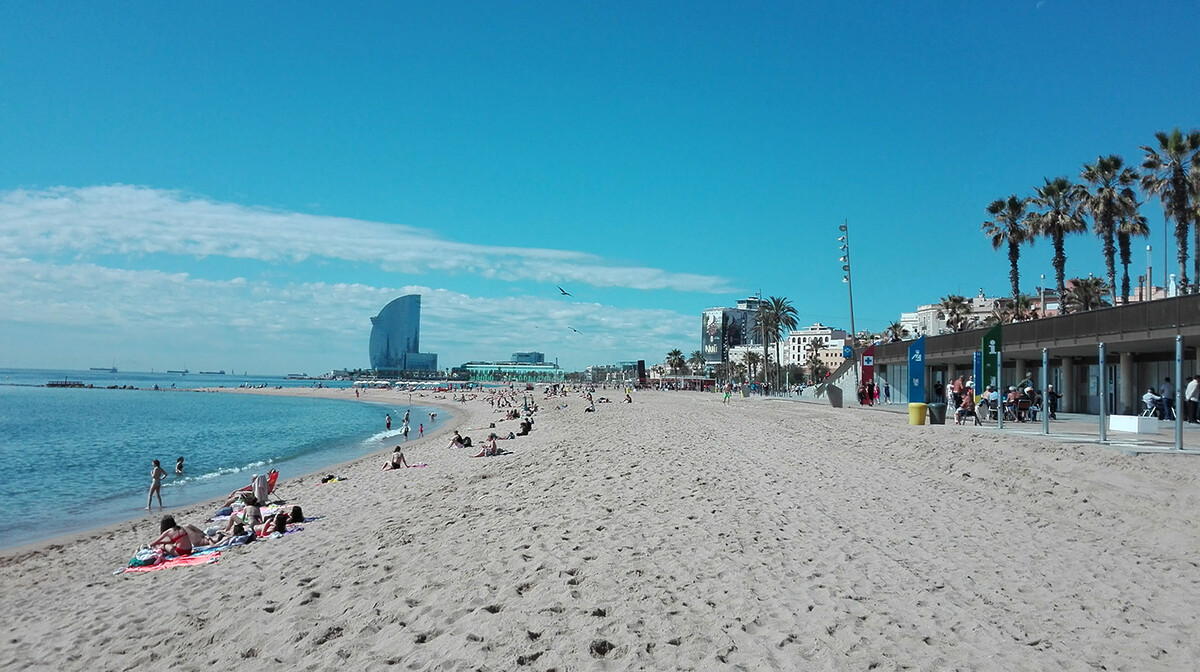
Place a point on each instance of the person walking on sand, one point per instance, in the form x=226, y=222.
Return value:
x=387, y=421
x=156, y=476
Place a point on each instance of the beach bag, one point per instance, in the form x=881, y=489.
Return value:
x=146, y=557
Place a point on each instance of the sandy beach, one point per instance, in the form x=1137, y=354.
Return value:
x=671, y=533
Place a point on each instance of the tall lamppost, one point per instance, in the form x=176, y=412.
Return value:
x=844, y=239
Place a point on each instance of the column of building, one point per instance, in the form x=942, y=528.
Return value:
x=1127, y=391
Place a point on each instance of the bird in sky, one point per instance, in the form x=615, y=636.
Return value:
x=564, y=292
x=574, y=329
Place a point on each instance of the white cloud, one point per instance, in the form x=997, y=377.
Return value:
x=256, y=325
x=130, y=220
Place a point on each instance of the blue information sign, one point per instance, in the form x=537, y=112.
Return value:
x=847, y=352
x=916, y=371
x=978, y=372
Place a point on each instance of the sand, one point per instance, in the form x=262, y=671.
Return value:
x=672, y=533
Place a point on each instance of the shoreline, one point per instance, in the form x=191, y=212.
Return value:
x=194, y=509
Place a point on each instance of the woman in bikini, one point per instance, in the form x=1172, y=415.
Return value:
x=174, y=539
x=156, y=476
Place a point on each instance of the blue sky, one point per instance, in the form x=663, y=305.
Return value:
x=235, y=185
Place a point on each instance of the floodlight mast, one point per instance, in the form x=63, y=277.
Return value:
x=844, y=239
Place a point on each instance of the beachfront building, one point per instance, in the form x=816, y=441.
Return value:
x=508, y=372
x=396, y=339
x=529, y=357
x=1139, y=341
x=818, y=339
x=722, y=330
x=622, y=373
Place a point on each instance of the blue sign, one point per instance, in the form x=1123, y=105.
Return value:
x=916, y=371
x=978, y=372
x=847, y=352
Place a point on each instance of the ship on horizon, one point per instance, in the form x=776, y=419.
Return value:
x=106, y=369
x=213, y=373
x=182, y=373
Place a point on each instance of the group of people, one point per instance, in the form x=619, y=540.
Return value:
x=1163, y=402
x=1021, y=402
x=869, y=393
x=245, y=522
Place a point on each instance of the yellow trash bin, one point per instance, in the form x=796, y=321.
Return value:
x=916, y=414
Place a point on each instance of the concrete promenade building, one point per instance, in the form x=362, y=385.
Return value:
x=1139, y=341
x=396, y=338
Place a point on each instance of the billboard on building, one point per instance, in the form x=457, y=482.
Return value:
x=712, y=332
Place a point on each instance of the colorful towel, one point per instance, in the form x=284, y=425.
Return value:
x=181, y=561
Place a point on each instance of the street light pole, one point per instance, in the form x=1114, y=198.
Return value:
x=844, y=239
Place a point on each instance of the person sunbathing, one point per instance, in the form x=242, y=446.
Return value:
x=250, y=516
x=276, y=523
x=173, y=539
x=489, y=447
x=456, y=441
x=397, y=460
x=280, y=521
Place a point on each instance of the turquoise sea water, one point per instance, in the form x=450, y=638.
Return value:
x=77, y=459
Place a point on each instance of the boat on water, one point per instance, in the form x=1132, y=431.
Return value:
x=109, y=369
x=182, y=373
x=297, y=376
x=213, y=373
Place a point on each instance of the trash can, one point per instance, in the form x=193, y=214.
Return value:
x=916, y=414
x=937, y=414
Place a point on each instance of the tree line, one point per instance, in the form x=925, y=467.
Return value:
x=1106, y=196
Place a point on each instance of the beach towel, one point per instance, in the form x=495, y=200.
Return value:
x=181, y=561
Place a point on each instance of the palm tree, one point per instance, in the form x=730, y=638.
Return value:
x=752, y=359
x=1086, y=294
x=1131, y=223
x=675, y=360
x=1059, y=217
x=954, y=310
x=1167, y=176
x=816, y=368
x=697, y=361
x=780, y=318
x=895, y=332
x=1110, y=193
x=1009, y=228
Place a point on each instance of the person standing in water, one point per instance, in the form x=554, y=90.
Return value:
x=156, y=476
x=387, y=420
x=179, y=467
x=404, y=431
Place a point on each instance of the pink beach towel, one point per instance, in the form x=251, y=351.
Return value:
x=181, y=561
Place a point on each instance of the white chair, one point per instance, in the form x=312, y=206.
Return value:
x=1151, y=411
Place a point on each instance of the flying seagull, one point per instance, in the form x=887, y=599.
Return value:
x=564, y=292
x=574, y=329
